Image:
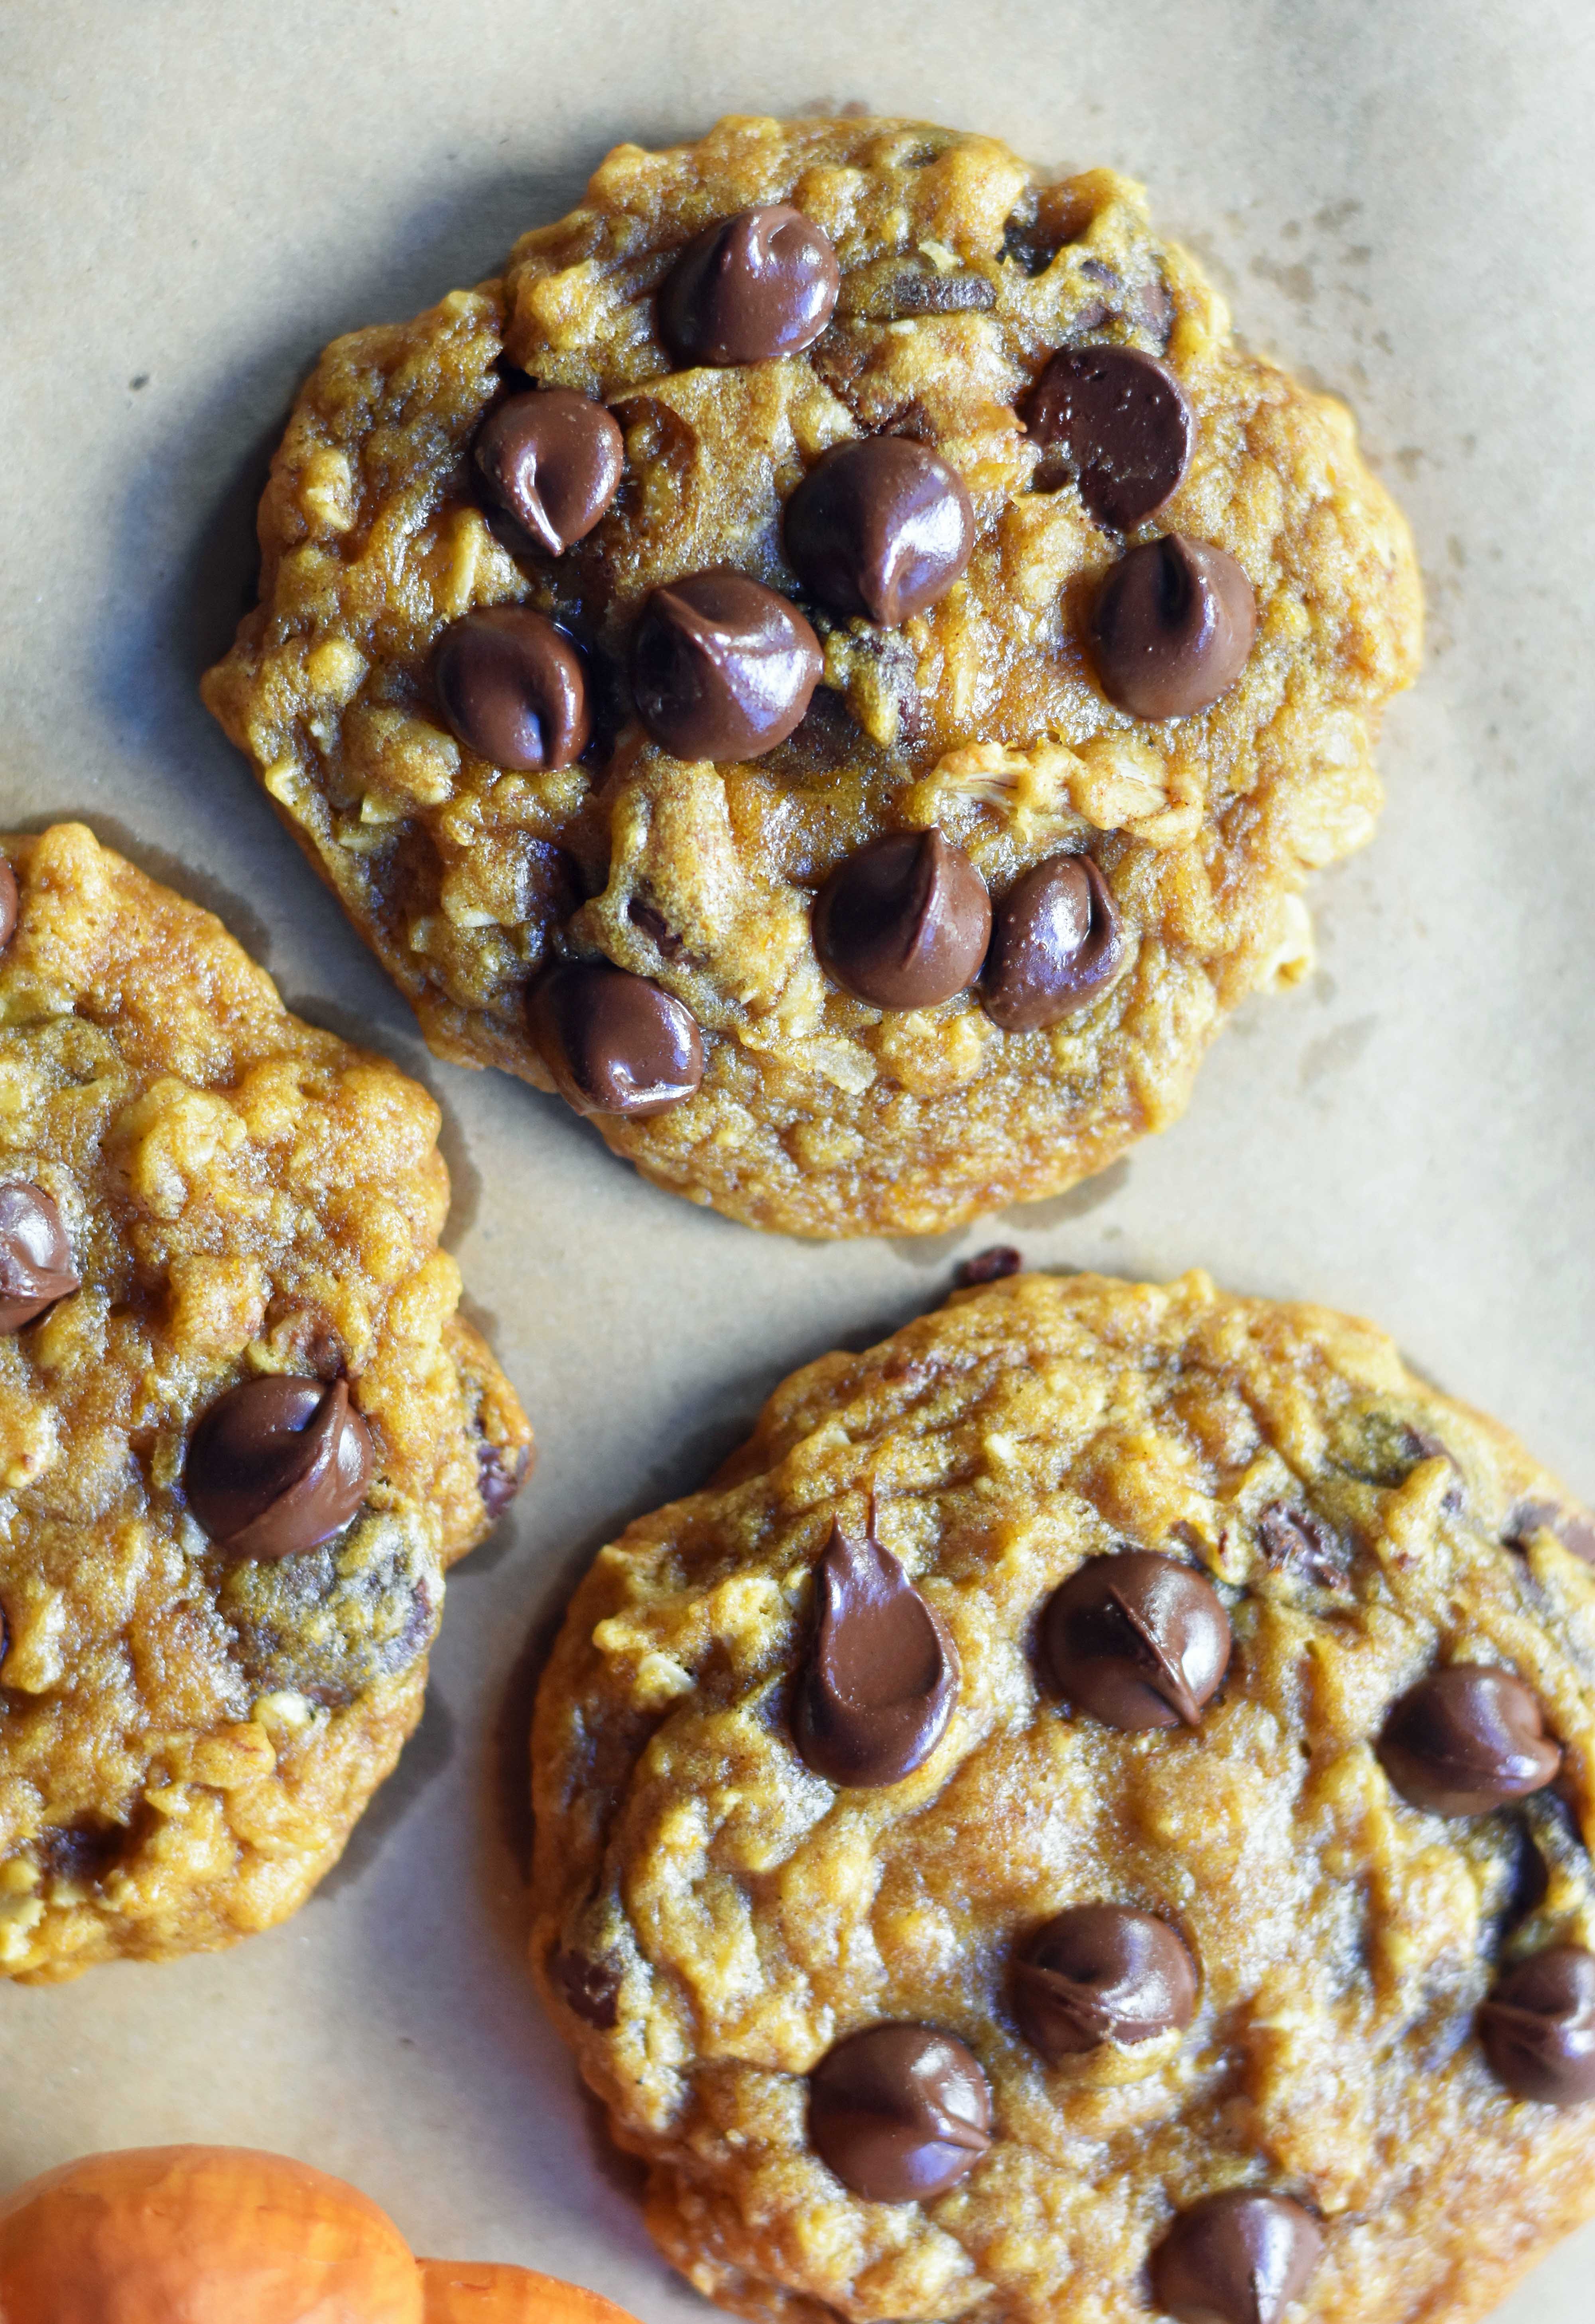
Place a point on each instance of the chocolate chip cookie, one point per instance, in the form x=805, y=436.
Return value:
x=835, y=662
x=244, y=1429
x=1088, y=1814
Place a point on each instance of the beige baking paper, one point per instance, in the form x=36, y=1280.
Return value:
x=195, y=195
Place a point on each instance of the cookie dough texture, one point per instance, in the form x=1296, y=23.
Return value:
x=963, y=271
x=746, y=1914
x=185, y=1743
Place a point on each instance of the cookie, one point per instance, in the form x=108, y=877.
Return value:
x=1089, y=1814
x=244, y=1429
x=835, y=660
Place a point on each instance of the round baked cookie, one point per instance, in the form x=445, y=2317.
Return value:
x=243, y=1430
x=1089, y=1814
x=865, y=485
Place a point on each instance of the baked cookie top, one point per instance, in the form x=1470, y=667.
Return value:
x=243, y=1430
x=951, y=654
x=1088, y=1812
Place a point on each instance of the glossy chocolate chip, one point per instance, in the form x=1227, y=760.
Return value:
x=1538, y=2027
x=1173, y=625
x=500, y=1471
x=900, y=2113
x=36, y=1266
x=1137, y=1639
x=762, y=284
x=905, y=922
x=1057, y=942
x=9, y=903
x=722, y=667
x=615, y=1043
x=1573, y=1530
x=591, y=1988
x=1238, y=2258
x=1467, y=1740
x=512, y=688
x=553, y=460
x=278, y=1466
x=1116, y=422
x=990, y=1265
x=883, y=528
x=882, y=1679
x=1299, y=1541
x=1102, y=1973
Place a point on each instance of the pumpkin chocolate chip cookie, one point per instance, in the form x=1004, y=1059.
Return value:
x=1089, y=1814
x=835, y=662
x=243, y=1430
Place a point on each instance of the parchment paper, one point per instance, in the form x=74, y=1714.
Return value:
x=196, y=196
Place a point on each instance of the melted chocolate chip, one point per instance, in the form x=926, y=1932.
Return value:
x=759, y=284
x=1116, y=422
x=591, y=1988
x=900, y=2113
x=36, y=1266
x=1057, y=945
x=1538, y=2027
x=1299, y=1541
x=277, y=1466
x=1102, y=1973
x=722, y=667
x=883, y=528
x=512, y=688
x=82, y=1852
x=1137, y=1639
x=895, y=289
x=1573, y=1530
x=1174, y=623
x=1238, y=2258
x=9, y=903
x=989, y=1265
x=500, y=1471
x=881, y=1677
x=615, y=1043
x=905, y=922
x=1467, y=1740
x=552, y=459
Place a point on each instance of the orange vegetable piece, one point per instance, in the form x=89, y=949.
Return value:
x=476, y=2292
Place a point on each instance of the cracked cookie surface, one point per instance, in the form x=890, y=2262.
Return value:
x=716, y=1918
x=963, y=274
x=188, y=1732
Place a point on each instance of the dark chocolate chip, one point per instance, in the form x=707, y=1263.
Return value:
x=1467, y=1740
x=1573, y=1530
x=512, y=688
x=277, y=1466
x=1102, y=1973
x=722, y=667
x=82, y=1852
x=36, y=1266
x=1056, y=944
x=900, y=2113
x=1300, y=1541
x=590, y=1988
x=9, y=903
x=905, y=922
x=1538, y=2027
x=1238, y=2258
x=759, y=284
x=882, y=527
x=553, y=460
x=500, y=1471
x=615, y=1043
x=989, y=1265
x=1137, y=1639
x=1174, y=623
x=1117, y=422
x=882, y=1679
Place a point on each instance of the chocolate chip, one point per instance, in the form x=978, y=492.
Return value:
x=1102, y=1973
x=655, y=927
x=1238, y=2258
x=614, y=1042
x=989, y=1265
x=553, y=460
x=591, y=1988
x=1467, y=1740
x=895, y=289
x=1137, y=1639
x=9, y=903
x=500, y=1471
x=277, y=1466
x=1174, y=623
x=762, y=284
x=1116, y=422
x=1538, y=2027
x=900, y=2113
x=904, y=922
x=36, y=1266
x=512, y=688
x=82, y=1852
x=1573, y=1530
x=1299, y=1541
x=722, y=667
x=882, y=527
x=1056, y=944
x=882, y=1678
